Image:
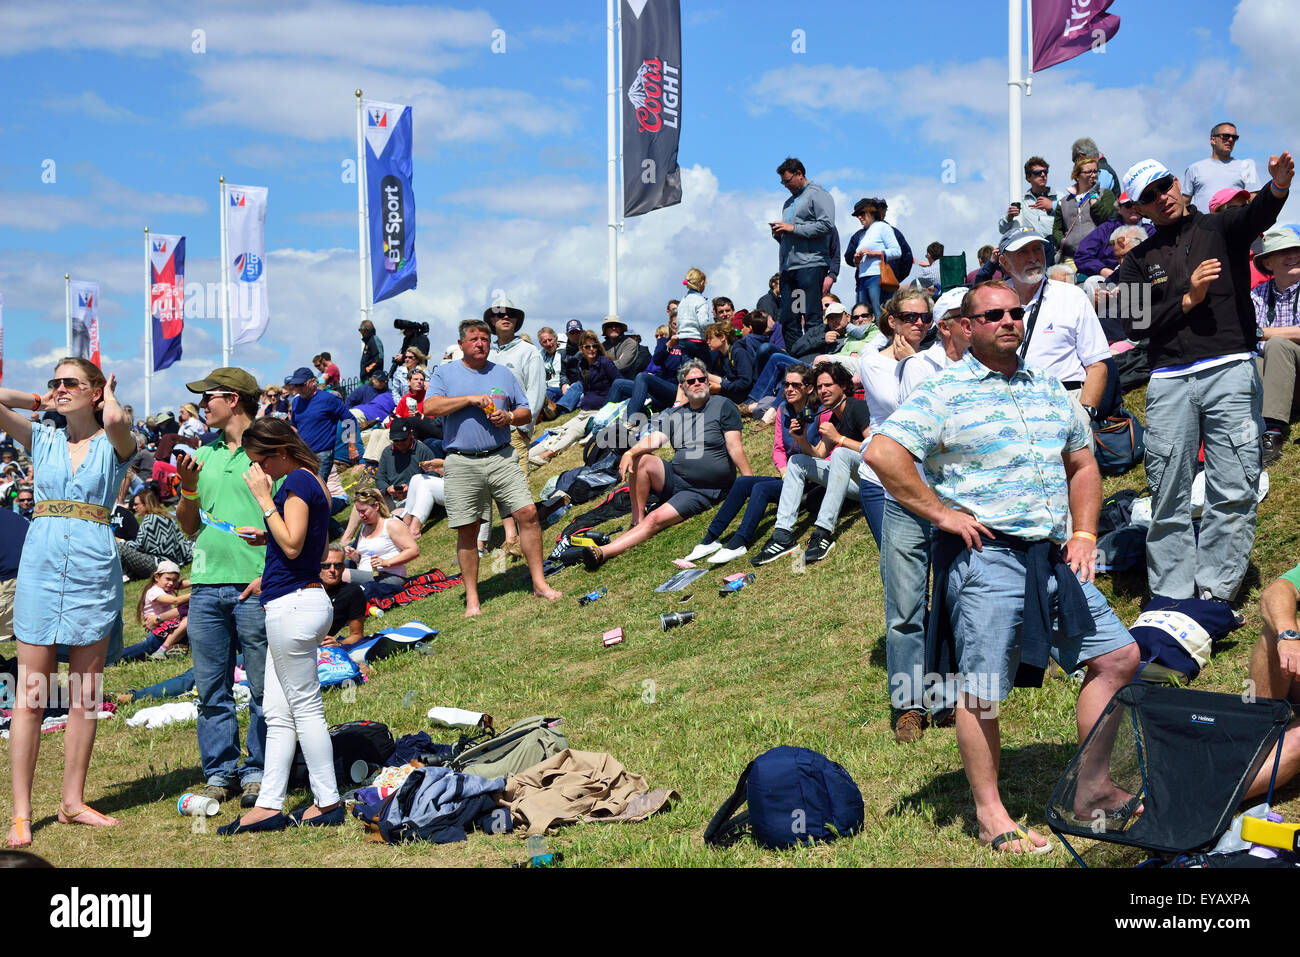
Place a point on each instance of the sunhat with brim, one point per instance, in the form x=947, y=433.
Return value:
x=503, y=307
x=1275, y=241
x=614, y=321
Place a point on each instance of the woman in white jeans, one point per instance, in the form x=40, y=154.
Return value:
x=298, y=615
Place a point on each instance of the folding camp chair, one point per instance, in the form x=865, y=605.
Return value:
x=1186, y=757
x=952, y=271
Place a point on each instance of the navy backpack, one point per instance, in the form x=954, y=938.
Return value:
x=795, y=796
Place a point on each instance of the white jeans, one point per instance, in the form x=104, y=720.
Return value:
x=422, y=493
x=291, y=702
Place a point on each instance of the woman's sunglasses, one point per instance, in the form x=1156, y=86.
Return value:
x=72, y=385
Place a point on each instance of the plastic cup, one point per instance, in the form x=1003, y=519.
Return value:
x=196, y=805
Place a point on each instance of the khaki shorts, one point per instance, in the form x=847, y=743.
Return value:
x=519, y=442
x=7, y=590
x=472, y=485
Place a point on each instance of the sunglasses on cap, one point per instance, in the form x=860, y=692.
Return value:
x=1156, y=189
x=990, y=316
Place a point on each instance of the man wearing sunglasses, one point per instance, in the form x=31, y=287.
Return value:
x=1036, y=207
x=1219, y=171
x=1201, y=339
x=1005, y=462
x=348, y=599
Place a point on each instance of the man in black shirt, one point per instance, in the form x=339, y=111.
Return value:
x=828, y=454
x=400, y=461
x=349, y=600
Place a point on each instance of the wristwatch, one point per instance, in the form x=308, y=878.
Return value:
x=266, y=512
x=1092, y=412
x=1289, y=635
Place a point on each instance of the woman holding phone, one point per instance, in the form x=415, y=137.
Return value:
x=298, y=614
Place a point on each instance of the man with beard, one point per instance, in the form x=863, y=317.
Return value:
x=1062, y=334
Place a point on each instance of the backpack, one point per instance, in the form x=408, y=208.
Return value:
x=1120, y=442
x=902, y=263
x=795, y=796
x=517, y=748
x=360, y=748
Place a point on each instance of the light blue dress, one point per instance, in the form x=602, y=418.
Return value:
x=69, y=589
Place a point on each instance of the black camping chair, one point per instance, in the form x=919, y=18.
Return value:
x=1187, y=758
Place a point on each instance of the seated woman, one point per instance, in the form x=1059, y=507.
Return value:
x=731, y=371
x=599, y=374
x=423, y=490
x=159, y=538
x=759, y=491
x=383, y=547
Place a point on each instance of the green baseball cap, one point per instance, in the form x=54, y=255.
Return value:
x=228, y=377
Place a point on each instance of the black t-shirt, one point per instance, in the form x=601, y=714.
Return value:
x=349, y=602
x=124, y=524
x=852, y=419
x=699, y=442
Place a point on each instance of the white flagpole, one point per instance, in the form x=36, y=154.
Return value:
x=225, y=279
x=67, y=309
x=148, y=327
x=611, y=143
x=1015, y=43
x=363, y=213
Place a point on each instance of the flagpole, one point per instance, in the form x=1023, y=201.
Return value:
x=148, y=327
x=363, y=214
x=225, y=277
x=611, y=142
x=67, y=310
x=1015, y=43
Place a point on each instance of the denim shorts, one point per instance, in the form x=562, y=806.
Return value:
x=986, y=599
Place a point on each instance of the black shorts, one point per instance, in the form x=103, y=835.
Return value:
x=686, y=500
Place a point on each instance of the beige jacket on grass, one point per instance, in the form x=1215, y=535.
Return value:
x=581, y=786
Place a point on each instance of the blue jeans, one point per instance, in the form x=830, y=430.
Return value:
x=141, y=649
x=770, y=378
x=869, y=292
x=569, y=401
x=808, y=283
x=833, y=473
x=220, y=625
x=759, y=491
x=326, y=463
x=872, y=497
x=660, y=392
x=905, y=572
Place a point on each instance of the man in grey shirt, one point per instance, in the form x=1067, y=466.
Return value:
x=807, y=219
x=1206, y=177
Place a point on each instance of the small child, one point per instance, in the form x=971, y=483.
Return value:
x=164, y=610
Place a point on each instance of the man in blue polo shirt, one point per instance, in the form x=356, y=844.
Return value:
x=315, y=413
x=479, y=401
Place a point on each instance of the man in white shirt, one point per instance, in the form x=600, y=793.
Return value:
x=1206, y=177
x=1062, y=334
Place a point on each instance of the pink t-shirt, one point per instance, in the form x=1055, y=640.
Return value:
x=152, y=606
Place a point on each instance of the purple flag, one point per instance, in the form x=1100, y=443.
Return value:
x=1063, y=29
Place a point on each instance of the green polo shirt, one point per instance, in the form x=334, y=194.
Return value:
x=219, y=557
x=1293, y=576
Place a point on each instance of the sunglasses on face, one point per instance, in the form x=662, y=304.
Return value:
x=990, y=316
x=209, y=396
x=24, y=501
x=1156, y=189
x=924, y=318
x=796, y=384
x=326, y=566
x=696, y=380
x=72, y=385
x=1038, y=172
x=589, y=346
x=1230, y=137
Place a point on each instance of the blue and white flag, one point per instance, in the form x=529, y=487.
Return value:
x=245, y=214
x=392, y=204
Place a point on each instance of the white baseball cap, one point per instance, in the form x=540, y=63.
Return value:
x=1141, y=175
x=950, y=300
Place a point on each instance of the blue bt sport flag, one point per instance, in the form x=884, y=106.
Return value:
x=392, y=204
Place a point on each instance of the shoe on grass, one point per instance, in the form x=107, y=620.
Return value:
x=818, y=546
x=1272, y=445
x=221, y=792
x=773, y=550
x=251, y=791
x=703, y=550
x=909, y=727
x=726, y=555
x=592, y=557
x=159, y=655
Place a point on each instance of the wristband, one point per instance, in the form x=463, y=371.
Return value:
x=1088, y=535
x=36, y=401
x=187, y=494
x=1280, y=189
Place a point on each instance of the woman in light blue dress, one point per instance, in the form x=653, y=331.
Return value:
x=69, y=588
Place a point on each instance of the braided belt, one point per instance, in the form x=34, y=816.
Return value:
x=62, y=508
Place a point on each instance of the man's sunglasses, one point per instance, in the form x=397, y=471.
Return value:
x=1230, y=137
x=209, y=396
x=1037, y=172
x=72, y=385
x=924, y=318
x=325, y=566
x=696, y=380
x=990, y=316
x=1156, y=189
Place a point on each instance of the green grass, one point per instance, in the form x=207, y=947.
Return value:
x=791, y=659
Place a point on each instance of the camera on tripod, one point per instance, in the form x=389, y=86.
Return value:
x=406, y=325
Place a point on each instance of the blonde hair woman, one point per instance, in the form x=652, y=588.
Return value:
x=383, y=546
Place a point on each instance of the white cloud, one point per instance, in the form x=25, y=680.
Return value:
x=91, y=104
x=542, y=197
x=107, y=205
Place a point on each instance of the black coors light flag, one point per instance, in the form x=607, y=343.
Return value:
x=652, y=112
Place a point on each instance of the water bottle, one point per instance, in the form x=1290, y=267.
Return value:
x=736, y=585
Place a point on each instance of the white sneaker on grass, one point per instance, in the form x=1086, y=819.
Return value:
x=726, y=555
x=703, y=551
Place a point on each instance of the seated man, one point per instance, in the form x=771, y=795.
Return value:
x=378, y=406
x=1275, y=668
x=1006, y=459
x=705, y=435
x=1279, y=325
x=829, y=458
x=348, y=600
x=401, y=460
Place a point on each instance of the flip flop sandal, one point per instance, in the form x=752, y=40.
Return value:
x=1018, y=835
x=1120, y=817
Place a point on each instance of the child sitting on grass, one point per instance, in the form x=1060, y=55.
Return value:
x=164, y=610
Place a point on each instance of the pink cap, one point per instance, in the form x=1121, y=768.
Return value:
x=1225, y=196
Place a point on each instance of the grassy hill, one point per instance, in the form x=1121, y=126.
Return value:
x=791, y=659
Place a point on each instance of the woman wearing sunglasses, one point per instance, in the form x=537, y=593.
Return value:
x=598, y=374
x=69, y=589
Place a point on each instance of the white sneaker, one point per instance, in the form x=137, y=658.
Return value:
x=703, y=551
x=726, y=555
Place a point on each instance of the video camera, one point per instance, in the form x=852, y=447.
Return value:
x=406, y=325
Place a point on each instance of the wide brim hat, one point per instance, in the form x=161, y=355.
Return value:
x=1275, y=241
x=503, y=307
x=613, y=321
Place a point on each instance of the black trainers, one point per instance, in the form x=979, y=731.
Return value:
x=774, y=550
x=818, y=546
x=1272, y=444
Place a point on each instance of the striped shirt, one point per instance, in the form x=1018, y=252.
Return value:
x=992, y=447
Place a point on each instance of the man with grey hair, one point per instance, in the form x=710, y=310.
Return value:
x=1062, y=272
x=1107, y=178
x=705, y=434
x=1219, y=171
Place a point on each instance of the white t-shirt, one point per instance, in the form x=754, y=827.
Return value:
x=877, y=368
x=1206, y=177
x=1067, y=335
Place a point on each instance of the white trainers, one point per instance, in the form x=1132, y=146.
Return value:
x=726, y=555
x=703, y=551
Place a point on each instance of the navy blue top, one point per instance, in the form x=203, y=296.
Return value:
x=283, y=575
x=315, y=418
x=13, y=531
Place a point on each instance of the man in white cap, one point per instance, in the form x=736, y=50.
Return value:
x=1192, y=283
x=1278, y=319
x=1062, y=334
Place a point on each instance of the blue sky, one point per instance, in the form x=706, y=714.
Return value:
x=510, y=148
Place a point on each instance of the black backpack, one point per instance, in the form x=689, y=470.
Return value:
x=902, y=263
x=360, y=748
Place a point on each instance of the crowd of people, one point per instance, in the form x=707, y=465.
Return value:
x=957, y=410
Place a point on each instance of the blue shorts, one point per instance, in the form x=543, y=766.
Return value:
x=986, y=600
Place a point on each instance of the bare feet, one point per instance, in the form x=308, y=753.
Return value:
x=547, y=592
x=315, y=811
x=126, y=697
x=473, y=611
x=1114, y=806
